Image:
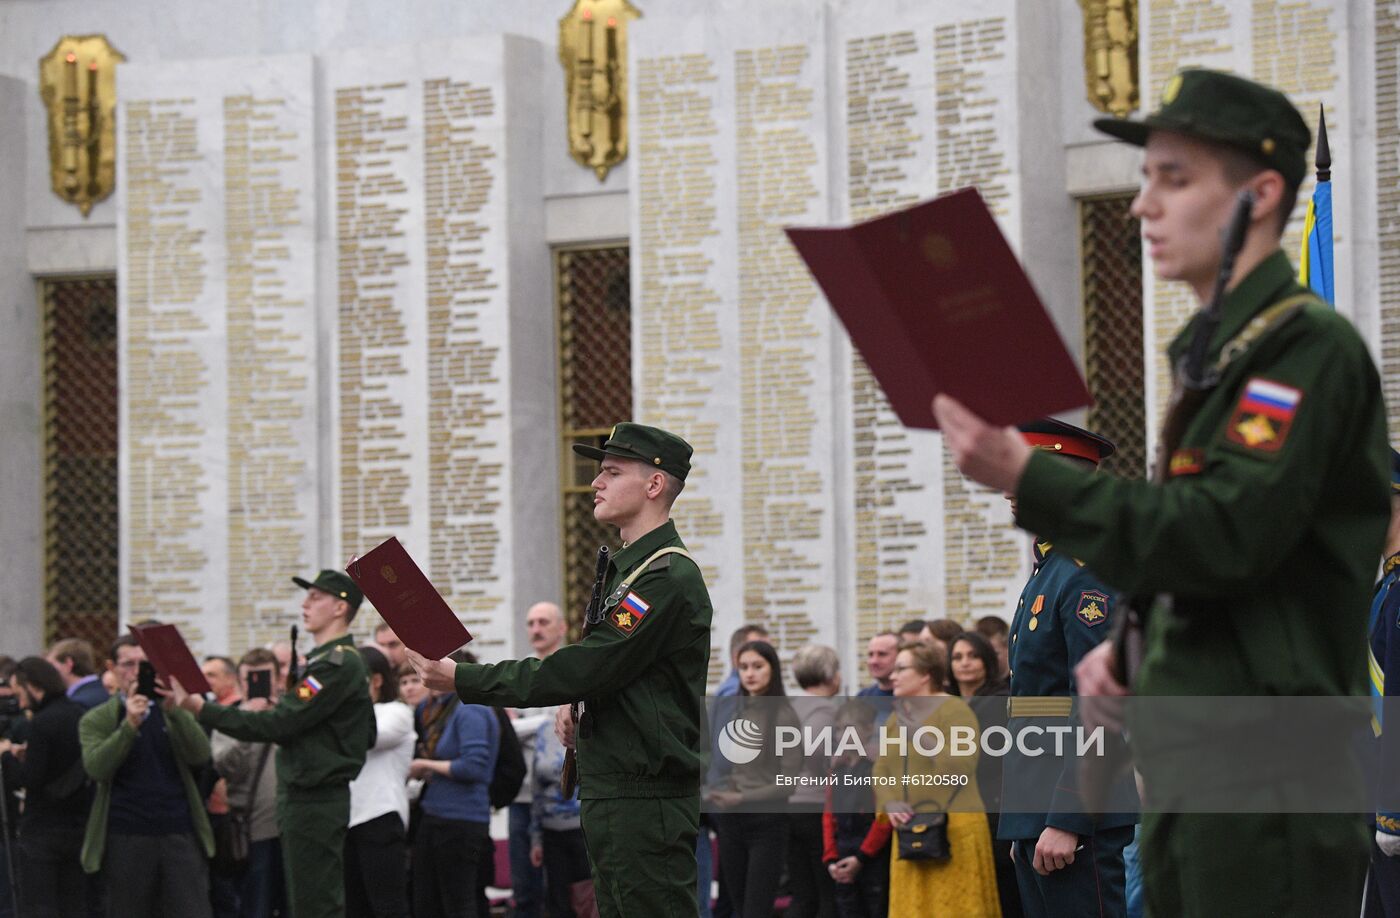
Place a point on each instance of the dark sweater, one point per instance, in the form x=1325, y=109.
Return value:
x=55, y=794
x=148, y=797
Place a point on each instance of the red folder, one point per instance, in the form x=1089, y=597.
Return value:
x=406, y=599
x=171, y=656
x=935, y=301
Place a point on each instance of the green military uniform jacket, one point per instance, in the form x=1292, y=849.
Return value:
x=1267, y=531
x=641, y=674
x=323, y=726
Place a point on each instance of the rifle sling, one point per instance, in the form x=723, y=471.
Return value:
x=1183, y=403
x=658, y=561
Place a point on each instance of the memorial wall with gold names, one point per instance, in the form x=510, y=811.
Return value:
x=430, y=253
x=217, y=343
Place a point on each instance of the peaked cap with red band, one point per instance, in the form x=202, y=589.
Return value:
x=1058, y=437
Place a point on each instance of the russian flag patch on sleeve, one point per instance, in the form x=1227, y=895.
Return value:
x=1263, y=416
x=630, y=612
x=308, y=688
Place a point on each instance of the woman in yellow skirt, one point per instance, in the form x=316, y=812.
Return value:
x=909, y=781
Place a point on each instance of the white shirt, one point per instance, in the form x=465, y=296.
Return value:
x=381, y=786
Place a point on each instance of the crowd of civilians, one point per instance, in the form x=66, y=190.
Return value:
x=814, y=849
x=121, y=804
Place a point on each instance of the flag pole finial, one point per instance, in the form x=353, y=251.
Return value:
x=1323, y=159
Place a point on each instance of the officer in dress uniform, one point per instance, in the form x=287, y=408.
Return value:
x=1254, y=546
x=641, y=674
x=1383, y=882
x=1067, y=861
x=323, y=727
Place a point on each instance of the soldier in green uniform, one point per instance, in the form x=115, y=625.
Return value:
x=1258, y=537
x=641, y=675
x=323, y=727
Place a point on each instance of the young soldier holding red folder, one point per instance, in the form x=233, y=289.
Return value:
x=324, y=726
x=1267, y=514
x=641, y=674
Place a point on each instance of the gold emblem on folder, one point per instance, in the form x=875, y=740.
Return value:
x=78, y=83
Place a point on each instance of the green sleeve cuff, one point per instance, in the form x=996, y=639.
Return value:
x=465, y=680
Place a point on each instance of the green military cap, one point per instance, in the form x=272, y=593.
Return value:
x=336, y=583
x=652, y=445
x=1230, y=110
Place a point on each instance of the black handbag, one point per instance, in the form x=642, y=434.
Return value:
x=233, y=835
x=925, y=836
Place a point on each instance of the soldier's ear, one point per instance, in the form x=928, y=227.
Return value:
x=1268, y=187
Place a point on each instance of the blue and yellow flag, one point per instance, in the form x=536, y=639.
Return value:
x=1315, y=260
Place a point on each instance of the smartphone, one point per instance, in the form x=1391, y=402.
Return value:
x=260, y=683
x=146, y=681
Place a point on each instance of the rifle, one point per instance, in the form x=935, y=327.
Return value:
x=1192, y=383
x=292, y=663
x=592, y=615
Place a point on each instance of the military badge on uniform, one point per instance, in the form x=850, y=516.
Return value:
x=1093, y=608
x=308, y=687
x=1263, y=416
x=1186, y=462
x=630, y=612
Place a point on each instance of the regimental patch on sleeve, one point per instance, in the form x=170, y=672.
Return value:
x=630, y=612
x=1263, y=416
x=1186, y=462
x=308, y=687
x=1093, y=608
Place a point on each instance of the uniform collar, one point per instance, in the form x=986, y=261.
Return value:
x=1391, y=564
x=1040, y=550
x=345, y=640
x=640, y=550
x=1271, y=280
x=1266, y=284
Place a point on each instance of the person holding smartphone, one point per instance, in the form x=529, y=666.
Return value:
x=252, y=791
x=147, y=830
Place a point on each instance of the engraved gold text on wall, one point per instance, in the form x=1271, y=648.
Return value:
x=593, y=50
x=77, y=81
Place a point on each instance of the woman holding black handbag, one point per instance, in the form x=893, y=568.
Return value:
x=941, y=861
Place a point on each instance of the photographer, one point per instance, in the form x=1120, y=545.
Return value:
x=148, y=830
